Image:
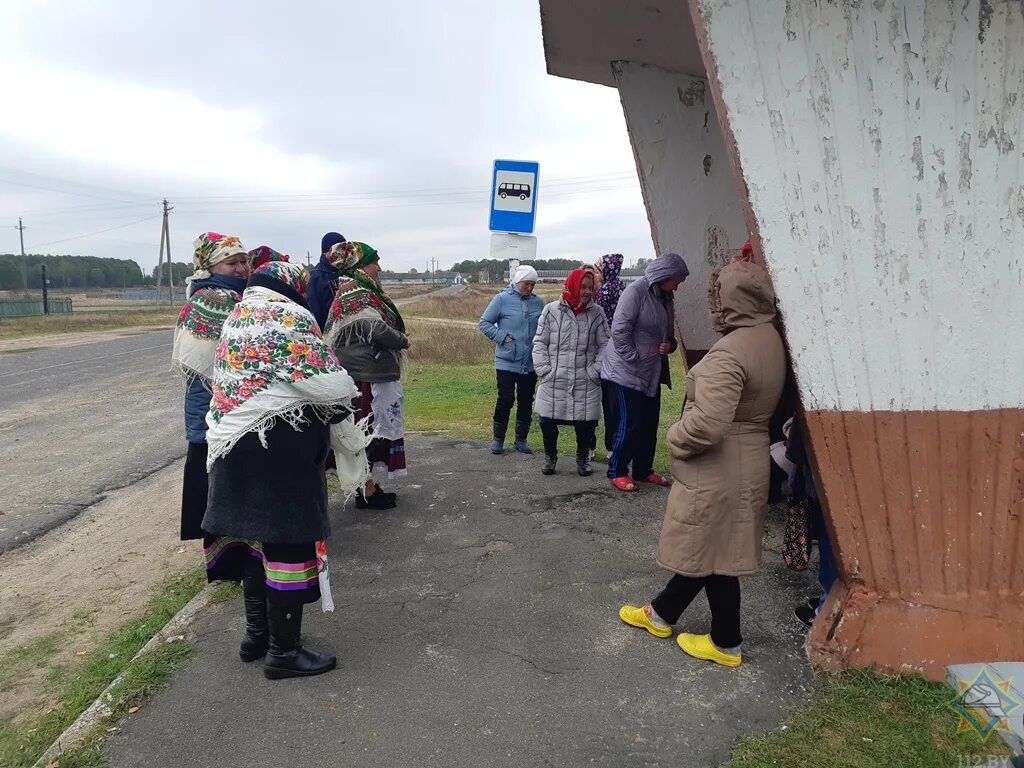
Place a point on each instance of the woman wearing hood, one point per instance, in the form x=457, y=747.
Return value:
x=276, y=388
x=571, y=337
x=636, y=365
x=221, y=268
x=510, y=321
x=714, y=520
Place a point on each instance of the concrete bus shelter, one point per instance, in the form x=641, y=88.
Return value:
x=875, y=152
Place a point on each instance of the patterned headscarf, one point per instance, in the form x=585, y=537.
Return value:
x=360, y=296
x=295, y=276
x=264, y=254
x=212, y=248
x=350, y=257
x=608, y=294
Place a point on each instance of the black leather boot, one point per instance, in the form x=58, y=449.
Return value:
x=287, y=657
x=254, y=595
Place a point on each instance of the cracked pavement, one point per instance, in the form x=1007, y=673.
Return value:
x=476, y=624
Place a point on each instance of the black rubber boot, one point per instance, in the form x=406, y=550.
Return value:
x=522, y=432
x=549, y=464
x=498, y=443
x=583, y=465
x=254, y=595
x=287, y=657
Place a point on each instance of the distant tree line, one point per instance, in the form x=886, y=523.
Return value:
x=497, y=269
x=179, y=271
x=68, y=272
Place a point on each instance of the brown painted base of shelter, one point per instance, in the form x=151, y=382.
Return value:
x=925, y=511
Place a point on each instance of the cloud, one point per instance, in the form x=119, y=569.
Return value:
x=379, y=120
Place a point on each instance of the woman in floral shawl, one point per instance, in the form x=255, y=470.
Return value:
x=214, y=288
x=276, y=389
x=366, y=331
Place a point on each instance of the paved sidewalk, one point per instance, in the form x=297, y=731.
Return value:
x=476, y=625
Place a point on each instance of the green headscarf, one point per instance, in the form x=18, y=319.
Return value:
x=349, y=259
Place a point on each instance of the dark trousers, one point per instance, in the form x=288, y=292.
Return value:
x=585, y=431
x=515, y=388
x=723, y=597
x=634, y=420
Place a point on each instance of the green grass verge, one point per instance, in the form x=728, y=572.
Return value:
x=458, y=400
x=23, y=739
x=865, y=719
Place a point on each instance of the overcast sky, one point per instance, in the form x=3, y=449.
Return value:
x=280, y=122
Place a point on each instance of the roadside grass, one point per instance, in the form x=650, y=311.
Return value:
x=86, y=321
x=471, y=303
x=450, y=389
x=861, y=719
x=75, y=685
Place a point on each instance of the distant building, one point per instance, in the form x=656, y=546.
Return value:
x=559, y=275
x=422, y=278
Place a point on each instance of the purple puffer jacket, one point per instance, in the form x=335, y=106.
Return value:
x=643, y=320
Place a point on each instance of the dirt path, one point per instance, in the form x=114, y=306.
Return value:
x=444, y=321
x=67, y=590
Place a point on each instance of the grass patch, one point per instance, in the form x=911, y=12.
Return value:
x=469, y=304
x=75, y=687
x=86, y=321
x=458, y=400
x=861, y=719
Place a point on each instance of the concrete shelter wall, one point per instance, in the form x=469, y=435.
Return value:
x=692, y=200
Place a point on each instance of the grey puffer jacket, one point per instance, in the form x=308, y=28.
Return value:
x=644, y=319
x=376, y=360
x=567, y=352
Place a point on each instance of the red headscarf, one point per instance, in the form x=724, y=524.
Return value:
x=571, y=294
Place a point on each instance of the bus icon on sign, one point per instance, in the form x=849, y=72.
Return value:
x=522, y=191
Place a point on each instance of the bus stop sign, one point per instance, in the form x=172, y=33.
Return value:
x=514, y=196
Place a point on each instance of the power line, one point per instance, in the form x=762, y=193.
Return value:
x=97, y=232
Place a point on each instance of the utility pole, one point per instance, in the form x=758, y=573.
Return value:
x=165, y=241
x=46, y=296
x=308, y=262
x=24, y=266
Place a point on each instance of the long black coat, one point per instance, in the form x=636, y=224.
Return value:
x=276, y=494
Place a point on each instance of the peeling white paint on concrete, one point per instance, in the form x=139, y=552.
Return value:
x=882, y=144
x=691, y=197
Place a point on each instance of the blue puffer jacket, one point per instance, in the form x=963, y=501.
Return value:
x=512, y=314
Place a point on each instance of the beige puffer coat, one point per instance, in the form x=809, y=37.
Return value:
x=719, y=449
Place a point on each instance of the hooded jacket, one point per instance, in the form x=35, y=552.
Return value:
x=512, y=314
x=644, y=319
x=718, y=451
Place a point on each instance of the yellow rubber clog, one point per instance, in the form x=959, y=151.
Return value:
x=701, y=647
x=636, y=616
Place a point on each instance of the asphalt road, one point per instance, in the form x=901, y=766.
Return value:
x=476, y=625
x=78, y=421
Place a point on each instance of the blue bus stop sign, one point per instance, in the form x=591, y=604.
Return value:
x=514, y=196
